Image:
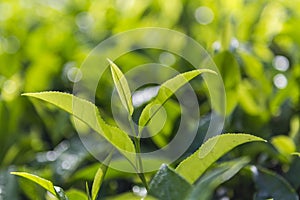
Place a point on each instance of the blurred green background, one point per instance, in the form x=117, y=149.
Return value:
x=255, y=44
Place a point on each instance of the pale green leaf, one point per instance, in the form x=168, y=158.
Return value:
x=97, y=183
x=195, y=165
x=166, y=90
x=284, y=144
x=87, y=189
x=129, y=196
x=99, y=176
x=296, y=154
x=89, y=114
x=74, y=194
x=122, y=86
x=48, y=185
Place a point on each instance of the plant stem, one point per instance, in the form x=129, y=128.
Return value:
x=137, y=144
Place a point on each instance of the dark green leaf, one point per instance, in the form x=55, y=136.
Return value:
x=215, y=177
x=168, y=185
x=293, y=173
x=271, y=185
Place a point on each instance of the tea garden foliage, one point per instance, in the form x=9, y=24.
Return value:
x=255, y=45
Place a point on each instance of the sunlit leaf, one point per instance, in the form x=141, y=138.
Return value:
x=284, y=144
x=215, y=177
x=167, y=184
x=99, y=176
x=74, y=194
x=97, y=183
x=271, y=185
x=131, y=196
x=195, y=165
x=88, y=113
x=48, y=185
x=247, y=99
x=122, y=87
x=166, y=90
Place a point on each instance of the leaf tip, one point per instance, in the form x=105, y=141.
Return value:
x=209, y=71
x=25, y=94
x=110, y=62
x=295, y=154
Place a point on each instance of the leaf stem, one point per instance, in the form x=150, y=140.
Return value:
x=137, y=144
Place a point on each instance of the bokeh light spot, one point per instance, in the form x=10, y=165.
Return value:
x=281, y=63
x=9, y=86
x=84, y=21
x=74, y=74
x=204, y=15
x=167, y=58
x=280, y=81
x=142, y=96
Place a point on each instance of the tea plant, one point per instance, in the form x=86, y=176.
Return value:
x=196, y=177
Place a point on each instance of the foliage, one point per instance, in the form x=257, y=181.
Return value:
x=161, y=185
x=255, y=45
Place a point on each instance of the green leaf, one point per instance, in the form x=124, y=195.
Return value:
x=99, y=176
x=293, y=173
x=161, y=135
x=48, y=185
x=283, y=144
x=89, y=114
x=230, y=72
x=167, y=184
x=193, y=167
x=166, y=90
x=74, y=194
x=97, y=183
x=122, y=86
x=215, y=177
x=272, y=185
x=87, y=189
x=129, y=196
